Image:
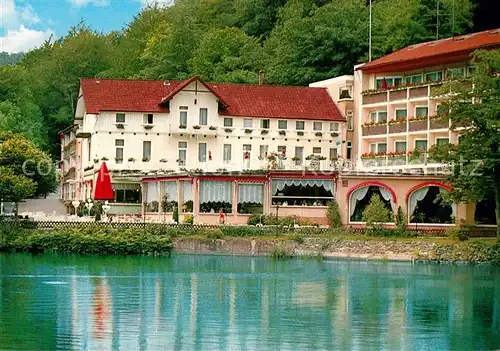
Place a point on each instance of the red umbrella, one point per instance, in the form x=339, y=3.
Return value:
x=384, y=84
x=103, y=188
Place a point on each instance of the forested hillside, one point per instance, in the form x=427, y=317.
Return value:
x=10, y=59
x=294, y=42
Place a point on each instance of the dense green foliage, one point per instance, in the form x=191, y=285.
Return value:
x=25, y=170
x=292, y=41
x=475, y=160
x=286, y=221
x=91, y=240
x=376, y=213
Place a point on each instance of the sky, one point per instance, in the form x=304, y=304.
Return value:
x=25, y=24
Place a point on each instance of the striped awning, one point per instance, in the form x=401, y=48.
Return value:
x=279, y=184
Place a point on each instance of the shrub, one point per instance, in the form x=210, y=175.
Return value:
x=188, y=219
x=457, y=234
x=376, y=213
x=400, y=219
x=333, y=214
x=494, y=254
x=175, y=215
x=299, y=239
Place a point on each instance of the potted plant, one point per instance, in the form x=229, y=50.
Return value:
x=300, y=133
x=163, y=160
x=196, y=127
x=131, y=159
x=182, y=126
x=148, y=126
x=282, y=132
x=96, y=160
x=264, y=132
x=318, y=134
x=228, y=130
x=212, y=128
x=248, y=131
x=104, y=159
x=120, y=126
x=295, y=158
x=334, y=134
x=145, y=159
x=334, y=159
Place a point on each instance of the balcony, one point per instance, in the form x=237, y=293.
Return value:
x=417, y=125
x=399, y=127
x=412, y=159
x=380, y=129
x=374, y=98
x=439, y=123
x=420, y=92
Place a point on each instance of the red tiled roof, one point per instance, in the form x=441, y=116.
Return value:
x=186, y=83
x=435, y=52
x=239, y=99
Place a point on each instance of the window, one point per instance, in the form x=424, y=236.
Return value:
x=378, y=147
x=421, y=144
x=202, y=152
x=400, y=146
x=228, y=122
x=226, y=153
x=378, y=116
x=389, y=81
x=302, y=192
x=263, y=149
x=299, y=125
x=264, y=123
x=203, y=116
x=247, y=148
x=215, y=195
x=334, y=127
x=401, y=113
x=299, y=153
x=333, y=152
x=120, y=118
x=318, y=126
x=433, y=76
x=148, y=118
x=247, y=123
x=349, y=150
x=250, y=198
x=350, y=120
x=282, y=150
x=442, y=141
x=414, y=79
x=127, y=193
x=183, y=117
x=182, y=148
x=146, y=150
x=344, y=93
x=455, y=72
x=282, y=124
x=317, y=150
x=421, y=111
x=119, y=144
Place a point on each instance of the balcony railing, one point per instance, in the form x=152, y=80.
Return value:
x=414, y=124
x=412, y=159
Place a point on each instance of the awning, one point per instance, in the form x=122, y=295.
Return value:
x=251, y=193
x=279, y=184
x=216, y=191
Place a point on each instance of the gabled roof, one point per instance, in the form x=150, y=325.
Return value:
x=444, y=51
x=186, y=83
x=239, y=100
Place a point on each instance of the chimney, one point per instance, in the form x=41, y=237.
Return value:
x=261, y=78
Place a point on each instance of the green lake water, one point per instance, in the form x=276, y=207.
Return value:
x=219, y=302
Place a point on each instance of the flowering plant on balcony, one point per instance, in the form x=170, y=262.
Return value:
x=372, y=124
x=295, y=158
x=228, y=130
x=373, y=154
x=401, y=87
x=163, y=160
x=264, y=131
x=417, y=118
x=131, y=159
x=318, y=134
x=397, y=120
x=282, y=132
x=415, y=154
x=314, y=157
x=182, y=126
x=197, y=127
x=212, y=128
x=334, y=158
x=248, y=131
x=145, y=159
x=104, y=159
x=397, y=153
x=120, y=126
x=334, y=134
x=300, y=133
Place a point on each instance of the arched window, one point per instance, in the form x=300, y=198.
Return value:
x=360, y=198
x=427, y=205
x=485, y=212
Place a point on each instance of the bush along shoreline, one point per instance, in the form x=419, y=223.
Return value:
x=91, y=241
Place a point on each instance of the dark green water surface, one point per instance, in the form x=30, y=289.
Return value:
x=220, y=302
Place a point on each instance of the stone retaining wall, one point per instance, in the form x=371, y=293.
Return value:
x=383, y=249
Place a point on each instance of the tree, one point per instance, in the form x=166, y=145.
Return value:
x=333, y=214
x=475, y=160
x=15, y=187
x=227, y=55
x=376, y=213
x=23, y=158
